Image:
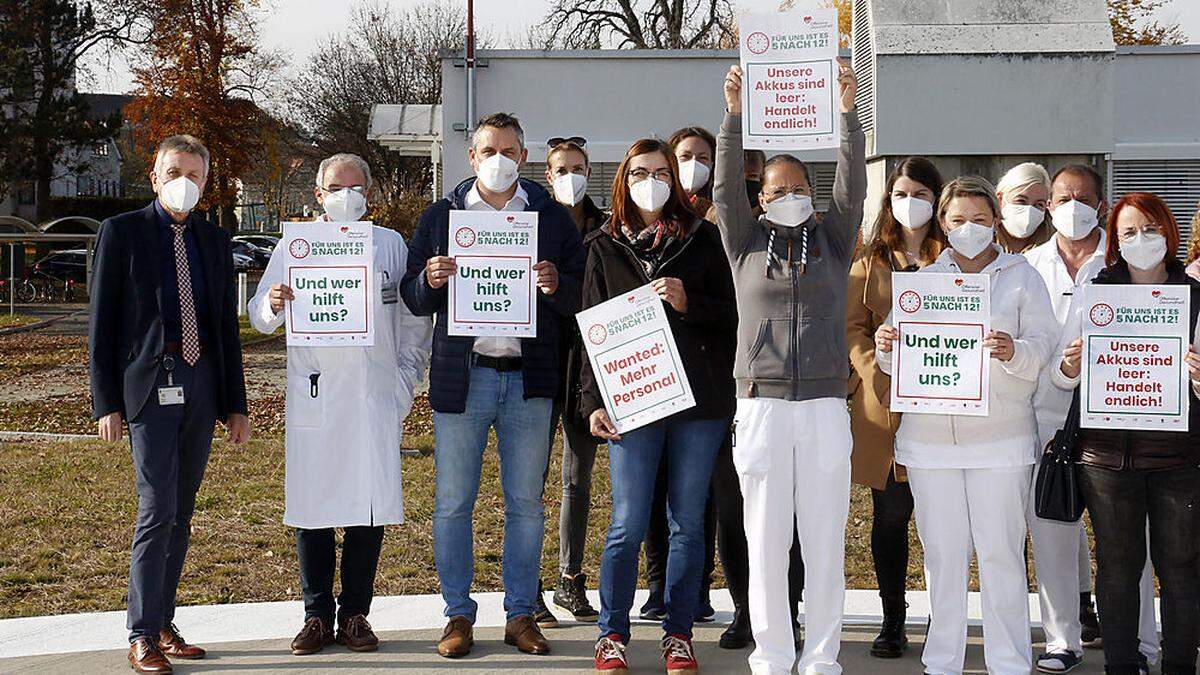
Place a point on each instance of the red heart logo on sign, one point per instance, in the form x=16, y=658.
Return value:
x=510, y=219
x=631, y=299
x=958, y=282
x=808, y=19
x=345, y=229
x=1156, y=293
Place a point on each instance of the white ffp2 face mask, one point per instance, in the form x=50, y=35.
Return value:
x=1144, y=251
x=1074, y=220
x=693, y=174
x=970, y=239
x=650, y=194
x=911, y=212
x=569, y=188
x=1020, y=220
x=179, y=194
x=345, y=205
x=790, y=210
x=497, y=173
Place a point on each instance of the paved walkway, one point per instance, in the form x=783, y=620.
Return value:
x=254, y=638
x=414, y=652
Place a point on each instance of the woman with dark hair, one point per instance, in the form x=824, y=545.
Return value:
x=1128, y=477
x=654, y=237
x=693, y=148
x=905, y=239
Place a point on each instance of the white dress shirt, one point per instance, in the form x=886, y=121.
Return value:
x=1051, y=403
x=497, y=347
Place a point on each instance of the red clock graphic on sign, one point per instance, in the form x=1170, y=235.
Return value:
x=465, y=237
x=758, y=43
x=1101, y=314
x=298, y=248
x=597, y=334
x=910, y=301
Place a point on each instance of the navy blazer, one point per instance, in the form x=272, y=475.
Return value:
x=558, y=242
x=125, y=336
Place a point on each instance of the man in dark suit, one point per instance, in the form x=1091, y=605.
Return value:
x=165, y=357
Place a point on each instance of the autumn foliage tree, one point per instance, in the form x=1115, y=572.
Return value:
x=199, y=74
x=1133, y=23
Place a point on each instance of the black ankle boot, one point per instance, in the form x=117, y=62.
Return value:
x=738, y=634
x=891, y=642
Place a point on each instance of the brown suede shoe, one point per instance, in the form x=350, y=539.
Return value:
x=173, y=645
x=524, y=634
x=316, y=635
x=146, y=657
x=357, y=635
x=457, y=639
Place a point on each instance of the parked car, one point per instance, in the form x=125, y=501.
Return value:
x=266, y=242
x=258, y=257
x=242, y=262
x=62, y=265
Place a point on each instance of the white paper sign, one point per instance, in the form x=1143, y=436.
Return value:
x=635, y=360
x=939, y=362
x=1133, y=374
x=789, y=80
x=329, y=269
x=493, y=293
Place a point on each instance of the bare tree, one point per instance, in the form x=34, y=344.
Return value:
x=386, y=56
x=642, y=24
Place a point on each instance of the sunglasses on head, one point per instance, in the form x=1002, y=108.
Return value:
x=573, y=140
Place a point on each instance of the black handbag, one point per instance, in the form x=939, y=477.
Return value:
x=1056, y=492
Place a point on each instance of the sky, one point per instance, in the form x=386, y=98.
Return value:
x=297, y=26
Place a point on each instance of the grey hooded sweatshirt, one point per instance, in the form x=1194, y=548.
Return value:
x=791, y=299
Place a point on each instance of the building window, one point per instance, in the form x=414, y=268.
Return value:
x=100, y=150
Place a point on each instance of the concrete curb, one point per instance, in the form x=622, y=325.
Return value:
x=12, y=330
x=43, y=436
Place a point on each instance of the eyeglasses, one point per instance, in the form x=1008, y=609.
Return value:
x=639, y=175
x=556, y=141
x=798, y=190
x=1148, y=228
x=360, y=189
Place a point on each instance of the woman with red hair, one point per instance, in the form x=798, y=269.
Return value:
x=1130, y=476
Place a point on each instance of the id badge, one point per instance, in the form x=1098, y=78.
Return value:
x=390, y=294
x=170, y=395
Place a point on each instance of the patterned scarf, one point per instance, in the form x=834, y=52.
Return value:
x=650, y=243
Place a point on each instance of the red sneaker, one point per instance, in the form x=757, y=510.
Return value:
x=677, y=652
x=610, y=655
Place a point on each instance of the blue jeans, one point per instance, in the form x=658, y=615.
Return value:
x=689, y=449
x=494, y=400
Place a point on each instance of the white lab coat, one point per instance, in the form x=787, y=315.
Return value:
x=343, y=444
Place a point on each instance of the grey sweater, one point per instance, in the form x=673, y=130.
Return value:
x=792, y=299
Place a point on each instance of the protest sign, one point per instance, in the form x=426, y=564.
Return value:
x=635, y=360
x=940, y=364
x=329, y=269
x=493, y=292
x=790, y=80
x=1134, y=339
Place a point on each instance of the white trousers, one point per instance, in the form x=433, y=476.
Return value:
x=984, y=509
x=793, y=464
x=1062, y=562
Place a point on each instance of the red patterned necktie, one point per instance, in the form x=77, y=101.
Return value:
x=190, y=340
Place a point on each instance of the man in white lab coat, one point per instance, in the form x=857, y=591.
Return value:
x=345, y=416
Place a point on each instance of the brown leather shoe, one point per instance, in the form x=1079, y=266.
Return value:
x=457, y=639
x=524, y=634
x=316, y=635
x=173, y=645
x=146, y=657
x=357, y=635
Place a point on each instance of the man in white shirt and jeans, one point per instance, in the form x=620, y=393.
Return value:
x=1069, y=260
x=506, y=384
